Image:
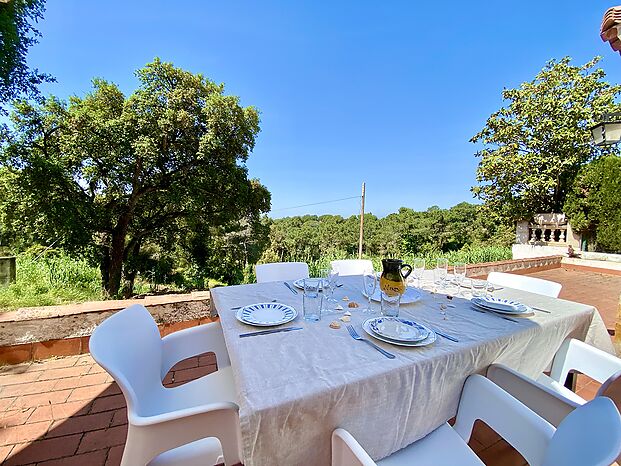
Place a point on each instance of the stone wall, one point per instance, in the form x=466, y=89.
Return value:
x=39, y=333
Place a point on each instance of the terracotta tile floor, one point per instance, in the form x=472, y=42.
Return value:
x=596, y=289
x=69, y=412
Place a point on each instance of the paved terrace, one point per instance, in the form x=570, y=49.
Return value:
x=69, y=411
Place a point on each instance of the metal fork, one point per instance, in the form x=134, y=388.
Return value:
x=355, y=336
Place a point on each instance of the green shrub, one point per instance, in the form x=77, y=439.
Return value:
x=49, y=279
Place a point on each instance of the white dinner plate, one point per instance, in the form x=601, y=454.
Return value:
x=427, y=341
x=500, y=305
x=266, y=314
x=399, y=329
x=299, y=283
x=411, y=295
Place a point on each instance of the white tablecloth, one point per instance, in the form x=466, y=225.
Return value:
x=296, y=387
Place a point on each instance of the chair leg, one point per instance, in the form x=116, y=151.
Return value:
x=134, y=453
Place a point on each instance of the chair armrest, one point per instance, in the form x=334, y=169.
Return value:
x=547, y=403
x=192, y=341
x=171, y=430
x=577, y=355
x=346, y=451
x=518, y=425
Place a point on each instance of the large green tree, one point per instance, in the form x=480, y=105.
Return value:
x=594, y=203
x=107, y=173
x=17, y=35
x=534, y=146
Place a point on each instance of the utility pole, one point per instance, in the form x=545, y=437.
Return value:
x=361, y=223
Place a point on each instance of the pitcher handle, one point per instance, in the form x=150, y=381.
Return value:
x=409, y=271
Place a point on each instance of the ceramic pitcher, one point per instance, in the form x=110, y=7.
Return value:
x=394, y=273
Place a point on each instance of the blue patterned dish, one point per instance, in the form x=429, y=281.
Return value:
x=399, y=329
x=266, y=314
x=411, y=344
x=501, y=305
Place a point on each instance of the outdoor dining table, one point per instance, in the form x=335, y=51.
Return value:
x=295, y=388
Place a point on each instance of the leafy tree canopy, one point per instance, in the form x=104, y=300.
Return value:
x=594, y=203
x=534, y=146
x=407, y=231
x=17, y=35
x=108, y=174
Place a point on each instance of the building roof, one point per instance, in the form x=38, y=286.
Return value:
x=610, y=30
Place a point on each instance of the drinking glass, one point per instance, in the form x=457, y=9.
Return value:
x=390, y=305
x=369, y=282
x=311, y=303
x=418, y=267
x=479, y=288
x=440, y=272
x=330, y=278
x=459, y=270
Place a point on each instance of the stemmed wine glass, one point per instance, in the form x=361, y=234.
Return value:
x=329, y=278
x=418, y=267
x=459, y=270
x=441, y=272
x=369, y=281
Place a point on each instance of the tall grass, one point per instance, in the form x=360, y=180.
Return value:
x=50, y=280
x=469, y=255
x=60, y=279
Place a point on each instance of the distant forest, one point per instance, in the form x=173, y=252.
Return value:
x=406, y=232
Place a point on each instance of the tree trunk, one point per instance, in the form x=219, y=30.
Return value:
x=116, y=255
x=130, y=277
x=116, y=265
x=104, y=266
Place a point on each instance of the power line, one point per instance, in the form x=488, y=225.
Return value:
x=317, y=203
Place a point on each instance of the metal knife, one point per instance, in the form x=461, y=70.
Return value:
x=494, y=314
x=267, y=332
x=540, y=310
x=448, y=337
x=294, y=291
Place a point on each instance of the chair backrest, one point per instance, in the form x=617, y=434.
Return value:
x=352, y=266
x=520, y=282
x=578, y=356
x=524, y=430
x=281, y=271
x=346, y=451
x=588, y=436
x=128, y=346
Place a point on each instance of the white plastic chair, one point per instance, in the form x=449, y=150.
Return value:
x=281, y=271
x=589, y=436
x=520, y=282
x=195, y=423
x=352, y=266
x=547, y=395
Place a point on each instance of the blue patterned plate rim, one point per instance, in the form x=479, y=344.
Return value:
x=504, y=306
x=423, y=332
x=247, y=314
x=410, y=344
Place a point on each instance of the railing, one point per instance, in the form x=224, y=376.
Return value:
x=550, y=234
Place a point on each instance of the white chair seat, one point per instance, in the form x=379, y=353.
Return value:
x=203, y=452
x=219, y=385
x=560, y=389
x=194, y=423
x=442, y=447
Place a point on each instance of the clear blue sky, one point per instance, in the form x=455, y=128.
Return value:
x=384, y=92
